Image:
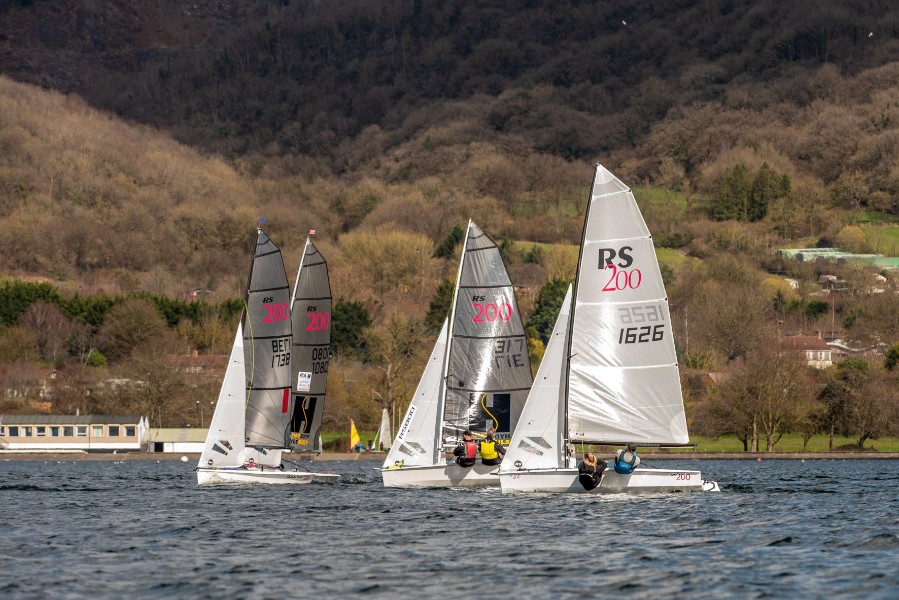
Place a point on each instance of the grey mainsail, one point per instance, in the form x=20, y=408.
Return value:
x=267, y=347
x=488, y=372
x=311, y=318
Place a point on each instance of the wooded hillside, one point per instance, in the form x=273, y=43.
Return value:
x=165, y=130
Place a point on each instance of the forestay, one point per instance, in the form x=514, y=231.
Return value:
x=311, y=319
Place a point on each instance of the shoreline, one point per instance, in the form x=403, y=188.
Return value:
x=193, y=457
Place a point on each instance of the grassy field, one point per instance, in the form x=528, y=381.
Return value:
x=883, y=240
x=788, y=443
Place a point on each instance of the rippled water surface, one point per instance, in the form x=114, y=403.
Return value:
x=138, y=529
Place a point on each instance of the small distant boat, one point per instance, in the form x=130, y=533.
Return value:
x=477, y=377
x=383, y=437
x=250, y=426
x=355, y=440
x=609, y=375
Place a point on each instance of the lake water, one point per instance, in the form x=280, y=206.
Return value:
x=135, y=529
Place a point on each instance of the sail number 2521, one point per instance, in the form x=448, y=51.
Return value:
x=652, y=331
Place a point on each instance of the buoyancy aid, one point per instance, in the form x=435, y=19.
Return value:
x=488, y=449
x=471, y=450
x=625, y=467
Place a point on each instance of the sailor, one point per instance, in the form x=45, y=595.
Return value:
x=466, y=451
x=627, y=460
x=590, y=471
x=491, y=451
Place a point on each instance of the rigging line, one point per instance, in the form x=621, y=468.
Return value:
x=495, y=420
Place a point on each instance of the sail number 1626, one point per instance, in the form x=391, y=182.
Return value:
x=635, y=315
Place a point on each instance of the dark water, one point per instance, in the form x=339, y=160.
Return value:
x=145, y=530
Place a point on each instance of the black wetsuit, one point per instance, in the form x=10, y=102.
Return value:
x=588, y=476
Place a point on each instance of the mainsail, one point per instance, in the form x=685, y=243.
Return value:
x=487, y=372
x=623, y=383
x=311, y=319
x=267, y=347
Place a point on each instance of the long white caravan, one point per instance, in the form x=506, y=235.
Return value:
x=609, y=375
x=252, y=423
x=477, y=377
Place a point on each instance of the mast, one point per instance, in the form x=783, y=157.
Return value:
x=441, y=394
x=577, y=272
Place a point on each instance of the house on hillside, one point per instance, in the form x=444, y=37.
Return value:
x=89, y=433
x=195, y=363
x=814, y=350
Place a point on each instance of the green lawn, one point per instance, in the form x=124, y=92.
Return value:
x=883, y=240
x=788, y=443
x=793, y=443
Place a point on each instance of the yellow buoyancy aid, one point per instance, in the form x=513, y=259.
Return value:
x=488, y=449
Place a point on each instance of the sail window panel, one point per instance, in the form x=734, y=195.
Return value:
x=623, y=335
x=488, y=364
x=643, y=405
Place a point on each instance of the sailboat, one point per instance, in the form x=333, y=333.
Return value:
x=382, y=438
x=249, y=429
x=476, y=377
x=609, y=375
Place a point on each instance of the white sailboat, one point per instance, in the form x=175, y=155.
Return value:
x=249, y=429
x=477, y=377
x=384, y=435
x=609, y=375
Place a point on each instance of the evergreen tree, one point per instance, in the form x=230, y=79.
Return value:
x=440, y=306
x=448, y=245
x=767, y=187
x=732, y=200
x=348, y=323
x=546, y=309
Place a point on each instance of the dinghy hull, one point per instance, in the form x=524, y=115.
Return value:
x=441, y=476
x=641, y=481
x=272, y=476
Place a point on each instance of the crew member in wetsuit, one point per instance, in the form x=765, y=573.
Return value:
x=590, y=471
x=466, y=451
x=627, y=460
x=492, y=452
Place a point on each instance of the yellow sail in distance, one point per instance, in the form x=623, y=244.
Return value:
x=354, y=435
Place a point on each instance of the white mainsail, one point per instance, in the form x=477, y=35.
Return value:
x=384, y=435
x=623, y=381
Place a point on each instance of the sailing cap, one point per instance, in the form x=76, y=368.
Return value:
x=632, y=446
